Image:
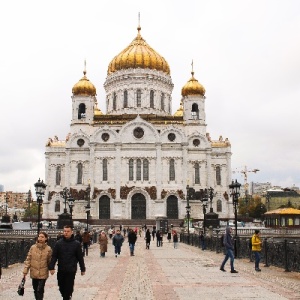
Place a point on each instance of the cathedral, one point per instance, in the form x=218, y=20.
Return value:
x=136, y=160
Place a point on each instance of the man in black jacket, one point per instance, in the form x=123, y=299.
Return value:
x=131, y=240
x=67, y=251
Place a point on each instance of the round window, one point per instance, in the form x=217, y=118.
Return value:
x=105, y=137
x=171, y=137
x=80, y=142
x=138, y=132
x=196, y=142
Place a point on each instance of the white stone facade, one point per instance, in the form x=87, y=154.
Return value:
x=138, y=136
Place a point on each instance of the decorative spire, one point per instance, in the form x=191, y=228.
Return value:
x=192, y=68
x=139, y=24
x=84, y=71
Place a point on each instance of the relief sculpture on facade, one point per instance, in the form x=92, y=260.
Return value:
x=152, y=192
x=112, y=192
x=124, y=191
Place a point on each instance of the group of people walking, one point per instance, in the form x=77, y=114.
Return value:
x=41, y=260
x=256, y=246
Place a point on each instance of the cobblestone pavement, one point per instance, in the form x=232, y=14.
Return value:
x=163, y=273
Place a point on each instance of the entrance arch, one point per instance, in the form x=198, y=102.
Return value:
x=172, y=207
x=104, y=207
x=138, y=206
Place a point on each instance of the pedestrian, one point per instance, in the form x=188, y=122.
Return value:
x=250, y=250
x=103, y=241
x=157, y=238
x=131, y=240
x=148, y=238
x=37, y=261
x=78, y=237
x=169, y=236
x=110, y=232
x=202, y=240
x=124, y=231
x=117, y=241
x=228, y=243
x=175, y=239
x=86, y=242
x=140, y=232
x=256, y=248
x=67, y=252
x=153, y=233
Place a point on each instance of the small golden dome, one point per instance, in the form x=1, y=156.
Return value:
x=84, y=87
x=138, y=55
x=179, y=112
x=193, y=87
x=97, y=111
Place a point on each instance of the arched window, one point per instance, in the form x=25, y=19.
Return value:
x=125, y=99
x=162, y=101
x=218, y=175
x=104, y=169
x=197, y=173
x=172, y=170
x=138, y=98
x=138, y=169
x=219, y=205
x=145, y=169
x=152, y=99
x=195, y=111
x=58, y=175
x=130, y=169
x=115, y=101
x=81, y=111
x=79, y=173
x=57, y=206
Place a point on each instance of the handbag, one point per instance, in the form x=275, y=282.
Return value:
x=21, y=287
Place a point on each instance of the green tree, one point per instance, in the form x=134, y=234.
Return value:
x=32, y=212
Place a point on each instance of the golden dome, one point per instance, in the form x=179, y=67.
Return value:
x=84, y=87
x=193, y=87
x=138, y=55
x=179, y=112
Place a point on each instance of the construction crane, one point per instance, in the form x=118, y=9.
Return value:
x=245, y=172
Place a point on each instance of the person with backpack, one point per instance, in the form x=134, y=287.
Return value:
x=256, y=248
x=229, y=247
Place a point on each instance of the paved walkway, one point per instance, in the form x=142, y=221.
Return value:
x=163, y=273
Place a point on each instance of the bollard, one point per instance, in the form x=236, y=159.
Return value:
x=6, y=254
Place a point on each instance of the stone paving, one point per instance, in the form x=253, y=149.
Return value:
x=163, y=273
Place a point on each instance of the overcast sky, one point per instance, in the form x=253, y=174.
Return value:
x=246, y=54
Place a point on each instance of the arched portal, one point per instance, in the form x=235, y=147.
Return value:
x=172, y=207
x=104, y=207
x=138, y=206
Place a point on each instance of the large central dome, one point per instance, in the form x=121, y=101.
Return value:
x=138, y=55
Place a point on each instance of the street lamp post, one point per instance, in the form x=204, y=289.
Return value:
x=6, y=203
x=235, y=193
x=71, y=205
x=188, y=211
x=29, y=199
x=204, y=199
x=40, y=188
x=88, y=206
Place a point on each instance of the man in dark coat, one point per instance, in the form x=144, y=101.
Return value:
x=67, y=252
x=131, y=240
x=229, y=247
x=117, y=241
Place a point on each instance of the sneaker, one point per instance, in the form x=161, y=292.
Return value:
x=258, y=270
x=222, y=269
x=234, y=271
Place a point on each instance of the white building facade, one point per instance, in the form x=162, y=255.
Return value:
x=138, y=158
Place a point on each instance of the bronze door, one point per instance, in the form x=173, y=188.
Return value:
x=172, y=207
x=104, y=207
x=138, y=206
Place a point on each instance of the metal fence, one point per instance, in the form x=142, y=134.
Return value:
x=281, y=253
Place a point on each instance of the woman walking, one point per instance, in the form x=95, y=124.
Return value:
x=37, y=261
x=175, y=239
x=148, y=239
x=103, y=241
x=256, y=248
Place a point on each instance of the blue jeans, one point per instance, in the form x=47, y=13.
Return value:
x=131, y=247
x=257, y=259
x=117, y=249
x=229, y=254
